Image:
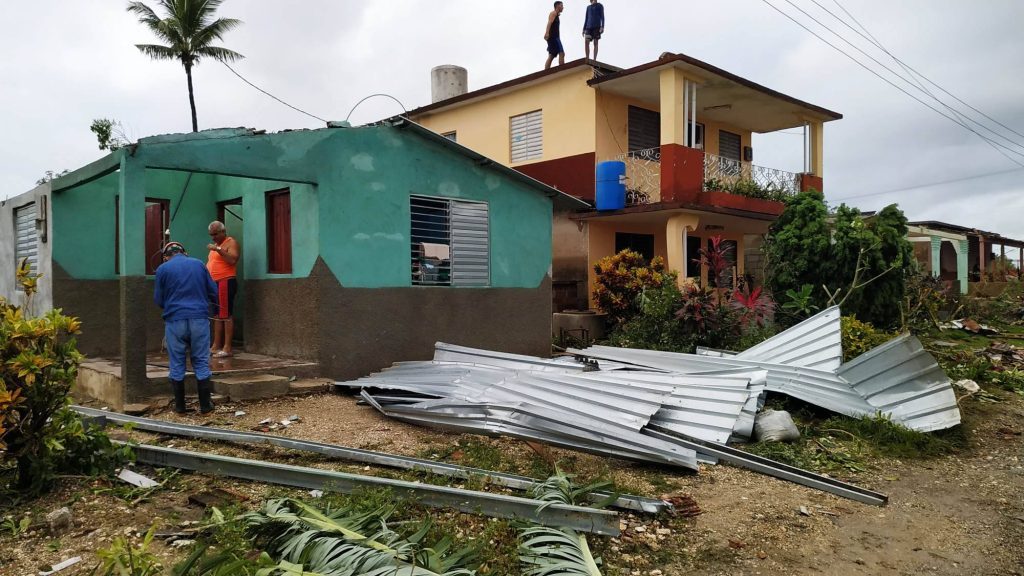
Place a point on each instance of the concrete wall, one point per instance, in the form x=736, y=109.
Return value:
x=43, y=299
x=351, y=223
x=568, y=126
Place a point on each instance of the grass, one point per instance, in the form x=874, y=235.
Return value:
x=835, y=443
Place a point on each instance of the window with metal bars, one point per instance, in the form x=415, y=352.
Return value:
x=526, y=137
x=449, y=242
x=26, y=237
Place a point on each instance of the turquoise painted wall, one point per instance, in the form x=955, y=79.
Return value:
x=350, y=191
x=83, y=243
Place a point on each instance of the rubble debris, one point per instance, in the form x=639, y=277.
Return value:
x=239, y=413
x=775, y=426
x=58, y=520
x=969, y=386
x=293, y=418
x=136, y=479
x=683, y=505
x=61, y=565
x=215, y=498
x=804, y=511
x=316, y=493
x=137, y=409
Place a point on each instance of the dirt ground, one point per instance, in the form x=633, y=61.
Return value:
x=954, y=515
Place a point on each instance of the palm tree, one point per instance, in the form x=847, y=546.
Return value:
x=189, y=30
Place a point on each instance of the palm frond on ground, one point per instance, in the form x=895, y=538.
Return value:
x=348, y=542
x=545, y=551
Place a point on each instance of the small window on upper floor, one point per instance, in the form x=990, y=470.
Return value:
x=453, y=136
x=450, y=242
x=526, y=141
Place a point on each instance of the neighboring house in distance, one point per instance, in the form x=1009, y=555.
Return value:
x=683, y=127
x=362, y=246
x=964, y=256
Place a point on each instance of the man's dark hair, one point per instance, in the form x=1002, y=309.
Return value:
x=557, y=3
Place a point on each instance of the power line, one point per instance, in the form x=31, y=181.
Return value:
x=948, y=93
x=886, y=80
x=931, y=184
x=914, y=74
x=242, y=78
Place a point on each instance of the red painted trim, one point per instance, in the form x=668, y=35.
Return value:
x=811, y=182
x=572, y=175
x=737, y=202
x=682, y=173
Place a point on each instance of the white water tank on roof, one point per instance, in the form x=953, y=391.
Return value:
x=448, y=81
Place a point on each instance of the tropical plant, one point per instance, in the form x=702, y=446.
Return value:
x=51, y=175
x=40, y=366
x=348, y=542
x=754, y=307
x=800, y=303
x=189, y=28
x=622, y=279
x=124, y=559
x=109, y=134
x=656, y=326
x=859, y=337
x=546, y=551
x=798, y=246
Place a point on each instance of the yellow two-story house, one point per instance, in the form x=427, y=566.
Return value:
x=681, y=126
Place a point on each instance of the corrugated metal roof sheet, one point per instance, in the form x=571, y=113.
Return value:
x=814, y=343
x=903, y=381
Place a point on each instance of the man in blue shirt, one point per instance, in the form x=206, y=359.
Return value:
x=184, y=291
x=593, y=26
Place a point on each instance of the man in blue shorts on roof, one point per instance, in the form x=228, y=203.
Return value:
x=593, y=26
x=553, y=34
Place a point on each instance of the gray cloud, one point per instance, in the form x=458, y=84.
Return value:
x=69, y=62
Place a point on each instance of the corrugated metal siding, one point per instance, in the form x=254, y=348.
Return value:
x=527, y=136
x=26, y=239
x=471, y=248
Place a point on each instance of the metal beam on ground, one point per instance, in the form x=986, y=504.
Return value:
x=625, y=502
x=779, y=470
x=577, y=518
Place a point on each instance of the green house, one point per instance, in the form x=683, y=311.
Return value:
x=360, y=246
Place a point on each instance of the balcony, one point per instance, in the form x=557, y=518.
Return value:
x=643, y=178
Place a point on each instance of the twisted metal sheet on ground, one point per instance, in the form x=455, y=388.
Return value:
x=818, y=387
x=535, y=423
x=903, y=381
x=814, y=343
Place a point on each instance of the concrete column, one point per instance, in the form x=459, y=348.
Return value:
x=675, y=243
x=818, y=149
x=982, y=257
x=673, y=114
x=134, y=292
x=936, y=256
x=961, y=265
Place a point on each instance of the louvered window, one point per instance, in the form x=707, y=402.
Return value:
x=644, y=129
x=526, y=136
x=26, y=238
x=450, y=242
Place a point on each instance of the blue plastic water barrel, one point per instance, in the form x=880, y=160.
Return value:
x=611, y=185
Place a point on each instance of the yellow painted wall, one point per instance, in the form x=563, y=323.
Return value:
x=568, y=127
x=602, y=244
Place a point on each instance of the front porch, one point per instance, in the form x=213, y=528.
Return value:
x=677, y=235
x=685, y=131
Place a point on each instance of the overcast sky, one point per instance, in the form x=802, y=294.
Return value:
x=67, y=62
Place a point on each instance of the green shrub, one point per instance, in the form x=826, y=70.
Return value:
x=622, y=278
x=124, y=559
x=859, y=337
x=656, y=326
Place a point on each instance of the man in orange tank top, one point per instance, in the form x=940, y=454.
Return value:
x=222, y=262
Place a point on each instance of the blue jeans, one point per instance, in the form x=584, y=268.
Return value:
x=195, y=335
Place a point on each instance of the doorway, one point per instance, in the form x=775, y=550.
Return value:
x=230, y=213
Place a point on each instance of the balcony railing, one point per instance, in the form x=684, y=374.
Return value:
x=643, y=176
x=746, y=179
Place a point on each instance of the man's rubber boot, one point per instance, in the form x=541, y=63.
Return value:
x=205, y=391
x=179, y=396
